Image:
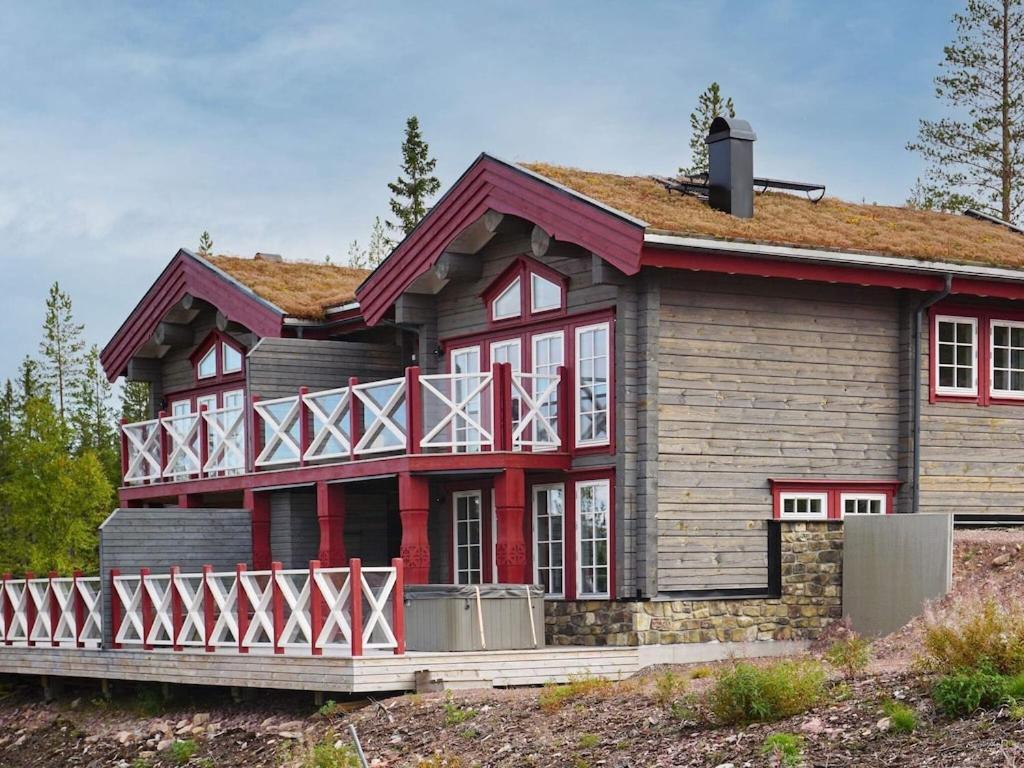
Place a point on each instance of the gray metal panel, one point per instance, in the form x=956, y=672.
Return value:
x=892, y=565
x=453, y=623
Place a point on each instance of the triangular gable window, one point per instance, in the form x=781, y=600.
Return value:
x=545, y=295
x=206, y=368
x=232, y=359
x=508, y=303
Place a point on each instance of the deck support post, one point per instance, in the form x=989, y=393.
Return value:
x=30, y=610
x=79, y=604
x=316, y=609
x=398, y=606
x=53, y=687
x=147, y=609
x=115, y=608
x=413, y=410
x=242, y=607
x=7, y=608
x=330, y=513
x=509, y=509
x=277, y=603
x=258, y=505
x=355, y=593
x=414, y=506
x=208, y=618
x=176, y=616
x=54, y=611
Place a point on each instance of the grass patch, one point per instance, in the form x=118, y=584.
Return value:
x=440, y=761
x=850, y=655
x=554, y=697
x=589, y=740
x=330, y=753
x=980, y=634
x=455, y=714
x=699, y=673
x=963, y=693
x=902, y=719
x=786, y=748
x=745, y=693
x=667, y=687
x=183, y=749
x=329, y=708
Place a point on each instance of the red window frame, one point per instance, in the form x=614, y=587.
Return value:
x=522, y=267
x=213, y=340
x=833, y=491
x=983, y=316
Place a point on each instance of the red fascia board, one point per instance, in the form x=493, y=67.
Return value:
x=492, y=184
x=186, y=274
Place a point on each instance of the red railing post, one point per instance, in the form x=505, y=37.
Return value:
x=413, y=409
x=355, y=591
x=163, y=443
x=176, y=617
x=242, y=606
x=355, y=414
x=277, y=601
x=257, y=433
x=30, y=609
x=208, y=618
x=304, y=417
x=501, y=389
x=76, y=595
x=204, y=440
x=316, y=609
x=54, y=610
x=562, y=409
x=124, y=450
x=146, y=603
x=398, y=606
x=5, y=605
x=115, y=609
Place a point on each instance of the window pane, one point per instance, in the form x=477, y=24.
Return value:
x=964, y=333
x=946, y=331
x=507, y=303
x=232, y=359
x=208, y=364
x=546, y=294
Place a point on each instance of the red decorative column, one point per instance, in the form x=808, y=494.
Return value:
x=330, y=513
x=258, y=505
x=509, y=508
x=414, y=506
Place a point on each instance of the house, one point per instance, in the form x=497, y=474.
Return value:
x=657, y=399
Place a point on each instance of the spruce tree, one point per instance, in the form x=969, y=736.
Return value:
x=29, y=384
x=710, y=104
x=411, y=190
x=356, y=255
x=205, y=244
x=135, y=401
x=380, y=244
x=975, y=156
x=61, y=350
x=93, y=415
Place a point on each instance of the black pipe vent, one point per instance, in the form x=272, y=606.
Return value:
x=731, y=166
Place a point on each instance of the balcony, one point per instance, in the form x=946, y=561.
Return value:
x=461, y=413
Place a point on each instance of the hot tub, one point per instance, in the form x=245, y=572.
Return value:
x=493, y=617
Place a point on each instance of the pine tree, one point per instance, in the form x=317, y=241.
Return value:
x=356, y=255
x=205, y=244
x=710, y=105
x=135, y=401
x=61, y=350
x=380, y=243
x=411, y=190
x=29, y=383
x=974, y=159
x=93, y=415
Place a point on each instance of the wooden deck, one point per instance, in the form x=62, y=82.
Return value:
x=381, y=672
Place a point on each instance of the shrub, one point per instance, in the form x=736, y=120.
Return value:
x=589, y=740
x=554, y=696
x=331, y=754
x=182, y=750
x=787, y=748
x=329, y=708
x=850, y=655
x=455, y=714
x=440, y=761
x=1015, y=687
x=667, y=687
x=964, y=693
x=745, y=693
x=981, y=634
x=902, y=719
x=699, y=673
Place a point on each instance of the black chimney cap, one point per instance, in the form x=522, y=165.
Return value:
x=729, y=128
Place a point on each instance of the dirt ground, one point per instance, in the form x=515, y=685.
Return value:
x=615, y=725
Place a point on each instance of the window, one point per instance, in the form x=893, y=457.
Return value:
x=592, y=404
x=1007, y=367
x=545, y=295
x=465, y=434
x=548, y=357
x=593, y=505
x=957, y=355
x=805, y=506
x=549, y=538
x=232, y=358
x=507, y=305
x=468, y=537
x=510, y=352
x=207, y=367
x=863, y=504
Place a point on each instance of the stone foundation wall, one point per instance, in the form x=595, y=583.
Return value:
x=811, y=599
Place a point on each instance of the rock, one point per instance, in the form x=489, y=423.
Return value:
x=813, y=726
x=290, y=734
x=725, y=765
x=201, y=718
x=122, y=737
x=76, y=703
x=1001, y=560
x=267, y=723
x=164, y=745
x=883, y=724
x=396, y=739
x=197, y=730
x=21, y=740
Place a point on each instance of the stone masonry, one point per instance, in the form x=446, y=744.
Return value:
x=812, y=556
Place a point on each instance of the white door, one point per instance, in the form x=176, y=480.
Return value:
x=467, y=528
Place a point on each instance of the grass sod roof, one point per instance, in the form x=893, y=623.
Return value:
x=302, y=289
x=785, y=219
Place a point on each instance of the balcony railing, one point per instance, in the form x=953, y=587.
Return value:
x=52, y=611
x=498, y=410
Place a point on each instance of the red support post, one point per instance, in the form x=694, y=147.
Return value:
x=115, y=608
x=413, y=410
x=8, y=609
x=330, y=512
x=258, y=505
x=204, y=441
x=562, y=408
x=163, y=443
x=414, y=509
x=257, y=433
x=54, y=610
x=398, y=606
x=316, y=609
x=510, y=510
x=76, y=595
x=30, y=610
x=304, y=425
x=355, y=591
x=355, y=414
x=277, y=603
x=501, y=392
x=147, y=609
x=124, y=449
x=176, y=617
x=242, y=606
x=208, y=618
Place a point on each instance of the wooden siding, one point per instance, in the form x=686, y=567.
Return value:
x=294, y=529
x=762, y=379
x=278, y=367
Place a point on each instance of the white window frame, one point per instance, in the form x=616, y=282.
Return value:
x=516, y=286
x=225, y=348
x=457, y=544
x=551, y=406
x=467, y=438
x=798, y=495
x=879, y=497
x=577, y=399
x=1003, y=394
x=537, y=490
x=534, y=306
x=972, y=391
x=578, y=513
x=199, y=364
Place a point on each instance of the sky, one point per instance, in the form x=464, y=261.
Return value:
x=126, y=129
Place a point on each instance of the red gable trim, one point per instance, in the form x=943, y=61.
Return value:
x=187, y=273
x=492, y=184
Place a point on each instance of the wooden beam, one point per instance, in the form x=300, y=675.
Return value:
x=173, y=335
x=140, y=369
x=458, y=267
x=414, y=309
x=603, y=273
x=222, y=321
x=540, y=241
x=492, y=220
x=188, y=302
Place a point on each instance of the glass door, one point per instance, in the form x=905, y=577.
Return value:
x=465, y=364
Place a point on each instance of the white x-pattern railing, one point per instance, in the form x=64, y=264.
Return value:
x=384, y=406
x=52, y=611
x=143, y=451
x=281, y=430
x=461, y=404
x=183, y=445
x=537, y=395
x=331, y=411
x=225, y=428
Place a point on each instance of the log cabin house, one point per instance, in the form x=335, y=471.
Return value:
x=656, y=399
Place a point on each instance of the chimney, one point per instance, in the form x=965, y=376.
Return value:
x=268, y=257
x=731, y=166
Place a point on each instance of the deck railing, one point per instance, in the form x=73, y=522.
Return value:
x=53, y=611
x=498, y=410
x=314, y=611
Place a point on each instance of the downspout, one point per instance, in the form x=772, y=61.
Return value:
x=918, y=322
